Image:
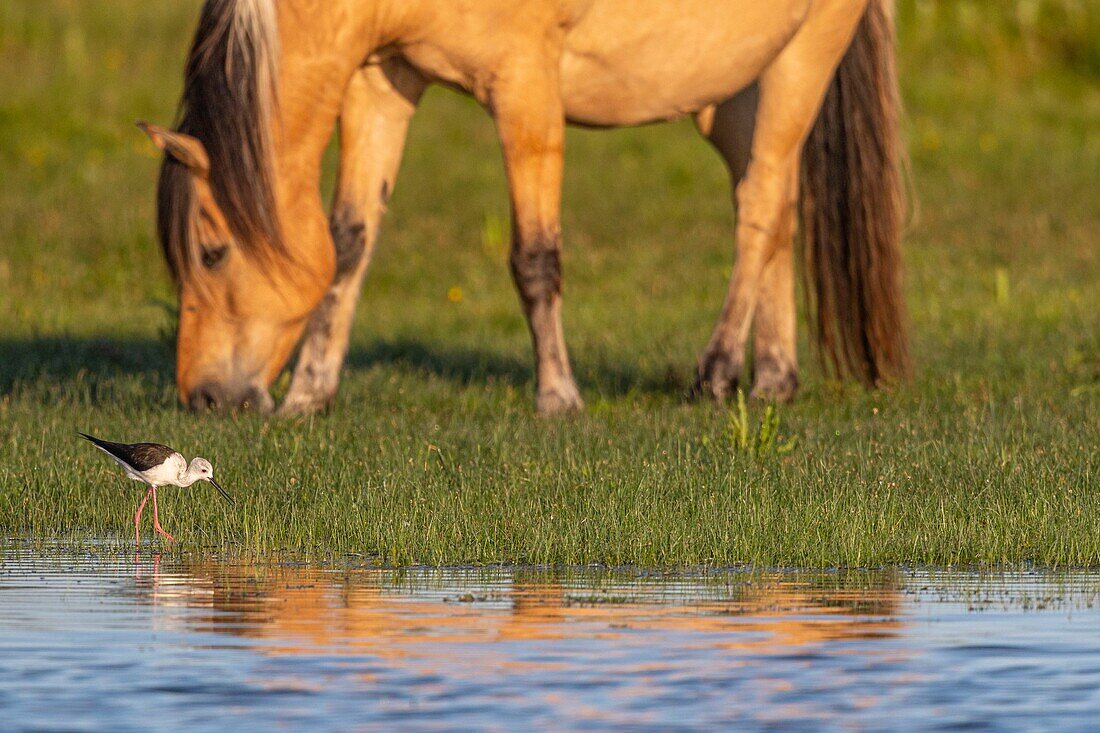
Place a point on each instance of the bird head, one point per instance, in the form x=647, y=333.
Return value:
x=201, y=469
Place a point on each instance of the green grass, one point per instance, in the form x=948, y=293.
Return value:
x=432, y=453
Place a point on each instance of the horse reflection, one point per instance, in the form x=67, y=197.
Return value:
x=397, y=615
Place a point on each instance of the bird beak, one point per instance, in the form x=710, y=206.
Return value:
x=223, y=492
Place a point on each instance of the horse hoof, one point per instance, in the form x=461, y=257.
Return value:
x=297, y=405
x=559, y=402
x=775, y=387
x=717, y=378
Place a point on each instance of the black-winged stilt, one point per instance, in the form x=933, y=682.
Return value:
x=156, y=465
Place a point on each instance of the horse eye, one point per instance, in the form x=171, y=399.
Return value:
x=211, y=256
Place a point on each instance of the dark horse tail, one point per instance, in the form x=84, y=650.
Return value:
x=852, y=203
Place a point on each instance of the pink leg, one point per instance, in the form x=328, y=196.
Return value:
x=156, y=520
x=137, y=517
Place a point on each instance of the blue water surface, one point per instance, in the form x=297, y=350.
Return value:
x=101, y=642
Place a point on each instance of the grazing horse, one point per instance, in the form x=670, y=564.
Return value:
x=798, y=97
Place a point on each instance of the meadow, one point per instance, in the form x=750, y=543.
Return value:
x=432, y=453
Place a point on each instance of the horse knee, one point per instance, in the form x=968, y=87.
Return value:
x=537, y=271
x=349, y=236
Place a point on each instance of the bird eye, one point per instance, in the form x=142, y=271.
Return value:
x=213, y=255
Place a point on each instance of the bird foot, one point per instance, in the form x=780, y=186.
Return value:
x=164, y=534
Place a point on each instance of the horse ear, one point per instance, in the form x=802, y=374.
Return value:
x=184, y=148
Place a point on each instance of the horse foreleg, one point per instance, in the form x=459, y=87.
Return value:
x=791, y=90
x=530, y=121
x=379, y=102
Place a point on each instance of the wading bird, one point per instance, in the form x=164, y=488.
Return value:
x=156, y=465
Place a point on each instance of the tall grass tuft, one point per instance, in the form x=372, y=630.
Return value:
x=758, y=441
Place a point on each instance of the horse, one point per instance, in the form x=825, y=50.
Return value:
x=798, y=97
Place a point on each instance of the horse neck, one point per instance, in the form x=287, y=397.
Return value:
x=320, y=47
x=316, y=58
x=318, y=51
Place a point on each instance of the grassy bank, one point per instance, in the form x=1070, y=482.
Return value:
x=432, y=453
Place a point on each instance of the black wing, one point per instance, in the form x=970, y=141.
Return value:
x=139, y=456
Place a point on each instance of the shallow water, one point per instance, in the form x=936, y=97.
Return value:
x=99, y=642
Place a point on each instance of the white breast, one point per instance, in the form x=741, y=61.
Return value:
x=168, y=472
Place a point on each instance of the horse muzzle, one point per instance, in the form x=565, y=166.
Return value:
x=215, y=397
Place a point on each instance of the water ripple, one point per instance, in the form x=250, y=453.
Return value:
x=97, y=642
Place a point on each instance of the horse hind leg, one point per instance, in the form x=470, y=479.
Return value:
x=790, y=92
x=729, y=128
x=761, y=299
x=775, y=357
x=379, y=102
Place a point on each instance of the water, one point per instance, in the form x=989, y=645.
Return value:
x=99, y=642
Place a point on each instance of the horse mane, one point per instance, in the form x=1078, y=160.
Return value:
x=229, y=99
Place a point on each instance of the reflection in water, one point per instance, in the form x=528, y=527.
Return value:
x=391, y=613
x=422, y=623
x=343, y=648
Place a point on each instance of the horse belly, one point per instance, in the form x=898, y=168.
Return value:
x=664, y=60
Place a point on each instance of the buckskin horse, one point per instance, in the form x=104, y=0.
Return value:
x=799, y=97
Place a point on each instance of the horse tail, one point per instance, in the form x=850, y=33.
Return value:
x=852, y=203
